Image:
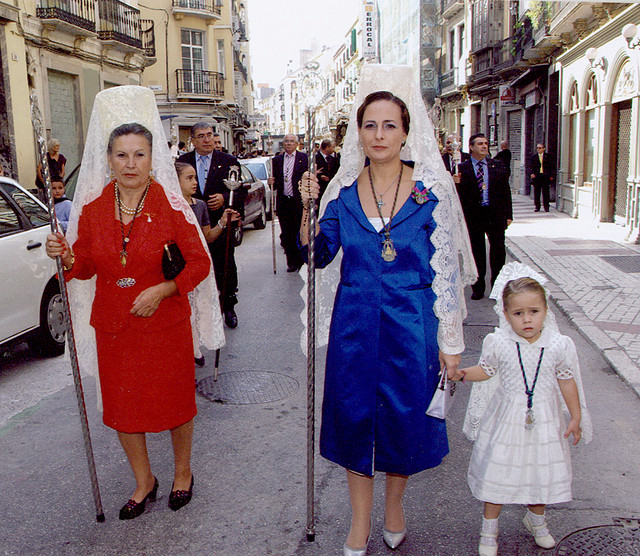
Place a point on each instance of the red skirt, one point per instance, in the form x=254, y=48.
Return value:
x=147, y=379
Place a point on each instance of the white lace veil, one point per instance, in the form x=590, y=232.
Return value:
x=482, y=392
x=452, y=261
x=112, y=108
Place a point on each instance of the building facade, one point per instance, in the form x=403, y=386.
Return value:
x=65, y=53
x=203, y=68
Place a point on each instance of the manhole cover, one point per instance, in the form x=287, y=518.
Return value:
x=247, y=387
x=626, y=263
x=602, y=540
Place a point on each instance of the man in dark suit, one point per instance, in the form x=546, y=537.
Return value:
x=288, y=168
x=212, y=168
x=541, y=177
x=450, y=158
x=486, y=202
x=327, y=163
x=504, y=156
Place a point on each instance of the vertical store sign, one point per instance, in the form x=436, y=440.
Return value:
x=370, y=30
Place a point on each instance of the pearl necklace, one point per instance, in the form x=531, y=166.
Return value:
x=128, y=210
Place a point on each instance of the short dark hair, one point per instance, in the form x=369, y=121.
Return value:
x=475, y=136
x=325, y=143
x=129, y=129
x=385, y=95
x=181, y=145
x=198, y=126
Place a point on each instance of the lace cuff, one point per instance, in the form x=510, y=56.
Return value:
x=488, y=369
x=564, y=374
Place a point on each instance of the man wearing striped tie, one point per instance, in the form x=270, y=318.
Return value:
x=288, y=168
x=486, y=202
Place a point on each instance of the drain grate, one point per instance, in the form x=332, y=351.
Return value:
x=247, y=387
x=610, y=540
x=626, y=263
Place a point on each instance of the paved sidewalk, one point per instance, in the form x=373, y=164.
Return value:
x=594, y=278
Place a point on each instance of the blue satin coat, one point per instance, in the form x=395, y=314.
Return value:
x=382, y=359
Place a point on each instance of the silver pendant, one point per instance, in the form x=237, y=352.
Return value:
x=125, y=282
x=388, y=250
x=380, y=203
x=529, y=420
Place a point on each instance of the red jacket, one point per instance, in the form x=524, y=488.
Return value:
x=97, y=253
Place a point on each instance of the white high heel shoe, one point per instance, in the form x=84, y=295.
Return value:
x=348, y=551
x=393, y=540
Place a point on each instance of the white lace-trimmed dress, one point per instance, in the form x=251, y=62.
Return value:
x=510, y=464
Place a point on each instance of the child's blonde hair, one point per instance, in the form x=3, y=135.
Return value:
x=520, y=285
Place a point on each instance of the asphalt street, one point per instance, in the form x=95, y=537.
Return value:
x=249, y=458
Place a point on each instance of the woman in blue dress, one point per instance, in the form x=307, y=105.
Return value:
x=397, y=315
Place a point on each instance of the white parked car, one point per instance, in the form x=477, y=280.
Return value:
x=261, y=168
x=30, y=303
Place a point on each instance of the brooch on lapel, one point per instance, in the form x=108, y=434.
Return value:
x=420, y=196
x=148, y=215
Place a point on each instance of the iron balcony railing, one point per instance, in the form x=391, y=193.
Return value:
x=202, y=5
x=240, y=66
x=200, y=82
x=148, y=38
x=80, y=13
x=447, y=80
x=119, y=22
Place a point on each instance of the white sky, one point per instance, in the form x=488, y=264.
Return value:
x=278, y=29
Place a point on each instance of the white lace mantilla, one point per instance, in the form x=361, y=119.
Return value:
x=112, y=108
x=452, y=261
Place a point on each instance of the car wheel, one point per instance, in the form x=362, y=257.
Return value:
x=49, y=339
x=238, y=235
x=261, y=221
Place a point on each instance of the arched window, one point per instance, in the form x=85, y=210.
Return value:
x=574, y=108
x=590, y=128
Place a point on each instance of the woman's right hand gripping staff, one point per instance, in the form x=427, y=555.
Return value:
x=521, y=454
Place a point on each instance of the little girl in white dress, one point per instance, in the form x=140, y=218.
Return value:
x=521, y=453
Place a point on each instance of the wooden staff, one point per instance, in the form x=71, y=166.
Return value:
x=36, y=120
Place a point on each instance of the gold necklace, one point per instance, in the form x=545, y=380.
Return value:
x=121, y=207
x=388, y=250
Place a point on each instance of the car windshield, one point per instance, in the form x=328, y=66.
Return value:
x=258, y=169
x=37, y=215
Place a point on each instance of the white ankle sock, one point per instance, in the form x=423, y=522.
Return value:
x=490, y=528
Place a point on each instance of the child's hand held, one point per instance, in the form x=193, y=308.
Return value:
x=574, y=428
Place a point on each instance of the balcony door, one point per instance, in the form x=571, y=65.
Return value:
x=193, y=61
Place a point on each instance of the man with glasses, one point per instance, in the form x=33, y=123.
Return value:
x=212, y=168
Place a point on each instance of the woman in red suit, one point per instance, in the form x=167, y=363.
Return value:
x=141, y=320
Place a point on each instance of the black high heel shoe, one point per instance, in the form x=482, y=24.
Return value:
x=133, y=509
x=180, y=498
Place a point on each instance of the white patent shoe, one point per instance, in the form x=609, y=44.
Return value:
x=537, y=526
x=393, y=540
x=348, y=551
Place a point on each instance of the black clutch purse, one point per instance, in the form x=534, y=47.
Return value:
x=172, y=261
